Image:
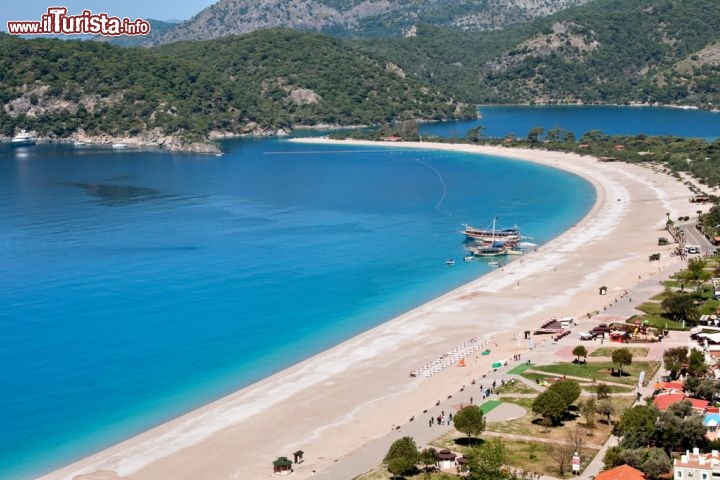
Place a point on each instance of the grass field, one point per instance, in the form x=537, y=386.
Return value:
x=607, y=351
x=599, y=371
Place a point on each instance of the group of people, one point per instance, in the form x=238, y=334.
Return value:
x=441, y=419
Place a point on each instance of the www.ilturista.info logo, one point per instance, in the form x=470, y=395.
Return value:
x=57, y=22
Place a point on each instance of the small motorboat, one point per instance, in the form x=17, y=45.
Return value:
x=469, y=258
x=493, y=263
x=119, y=145
x=449, y=261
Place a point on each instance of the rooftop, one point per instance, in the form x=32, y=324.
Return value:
x=623, y=472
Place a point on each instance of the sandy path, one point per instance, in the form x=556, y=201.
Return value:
x=338, y=401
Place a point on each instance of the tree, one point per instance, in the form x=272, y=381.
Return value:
x=656, y=464
x=618, y=455
x=477, y=134
x=580, y=351
x=696, y=364
x=674, y=359
x=679, y=307
x=486, y=461
x=569, y=390
x=605, y=407
x=637, y=426
x=551, y=406
x=429, y=456
x=470, y=421
x=402, y=457
x=620, y=357
x=706, y=389
x=695, y=273
x=680, y=428
x=602, y=391
x=533, y=135
x=562, y=454
x=588, y=409
x=575, y=438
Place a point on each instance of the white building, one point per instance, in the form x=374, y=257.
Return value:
x=697, y=466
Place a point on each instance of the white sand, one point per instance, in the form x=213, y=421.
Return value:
x=341, y=399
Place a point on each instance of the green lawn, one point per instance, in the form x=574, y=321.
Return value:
x=657, y=322
x=600, y=371
x=651, y=308
x=607, y=351
x=520, y=369
x=489, y=405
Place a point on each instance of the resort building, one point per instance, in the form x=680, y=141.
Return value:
x=697, y=466
x=663, y=401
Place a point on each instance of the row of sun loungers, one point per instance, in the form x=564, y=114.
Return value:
x=449, y=359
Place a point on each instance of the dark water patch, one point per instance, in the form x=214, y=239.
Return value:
x=121, y=195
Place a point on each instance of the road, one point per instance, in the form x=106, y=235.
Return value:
x=693, y=236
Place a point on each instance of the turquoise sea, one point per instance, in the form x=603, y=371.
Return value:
x=137, y=285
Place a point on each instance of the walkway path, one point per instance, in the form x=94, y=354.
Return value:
x=372, y=453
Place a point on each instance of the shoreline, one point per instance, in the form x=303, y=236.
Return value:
x=224, y=433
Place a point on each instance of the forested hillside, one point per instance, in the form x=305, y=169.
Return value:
x=267, y=80
x=607, y=51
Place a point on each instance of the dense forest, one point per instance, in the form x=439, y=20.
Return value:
x=268, y=80
x=607, y=51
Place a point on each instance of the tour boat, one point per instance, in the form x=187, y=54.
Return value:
x=492, y=234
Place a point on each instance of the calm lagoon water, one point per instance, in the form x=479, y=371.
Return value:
x=136, y=286
x=518, y=120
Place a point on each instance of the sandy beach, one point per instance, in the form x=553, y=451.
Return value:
x=338, y=401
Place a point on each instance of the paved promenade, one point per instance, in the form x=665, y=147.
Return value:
x=546, y=352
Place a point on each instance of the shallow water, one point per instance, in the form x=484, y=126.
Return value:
x=138, y=285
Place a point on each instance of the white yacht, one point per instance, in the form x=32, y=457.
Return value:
x=23, y=139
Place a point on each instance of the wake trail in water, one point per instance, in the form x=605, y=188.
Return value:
x=444, y=186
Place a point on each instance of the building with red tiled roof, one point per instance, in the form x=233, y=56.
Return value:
x=623, y=472
x=664, y=400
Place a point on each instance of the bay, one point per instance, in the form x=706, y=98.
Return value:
x=137, y=285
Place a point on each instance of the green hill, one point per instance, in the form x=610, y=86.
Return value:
x=262, y=82
x=607, y=51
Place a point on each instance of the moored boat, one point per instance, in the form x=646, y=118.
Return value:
x=488, y=251
x=449, y=261
x=492, y=234
x=23, y=139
